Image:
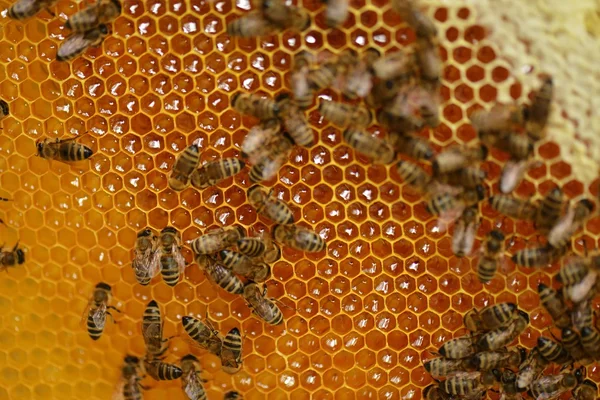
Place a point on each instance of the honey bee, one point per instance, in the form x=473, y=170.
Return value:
x=457, y=158
x=504, y=335
x=298, y=238
x=590, y=340
x=529, y=371
x=336, y=12
x=162, y=371
x=427, y=57
x=152, y=331
x=303, y=92
x=145, y=261
x=552, y=351
x=78, y=42
x=501, y=118
x=411, y=146
x=584, y=290
x=460, y=347
x=573, y=271
x=97, y=310
x=231, y=354
x=508, y=383
x=203, y=334
x=399, y=66
x=214, y=172
x=468, y=383
x=550, y=210
x=232, y=395
x=130, y=387
x=219, y=275
x=519, y=147
x=449, y=206
x=11, y=258
x=488, y=360
x=555, y=306
x=172, y=262
x=491, y=256
x=582, y=315
x=538, y=256
x=572, y=343
x=217, y=240
x=490, y=317
x=258, y=140
x=465, y=231
x=575, y=217
x=378, y=150
x=440, y=367
x=433, y=392
x=255, y=106
x=587, y=390
x=243, y=265
x=413, y=175
x=468, y=177
x=385, y=92
x=272, y=250
x=4, y=109
x=269, y=206
x=103, y=12
x=23, y=9
x=513, y=207
x=513, y=173
x=252, y=246
x=274, y=156
x=252, y=24
x=413, y=101
x=294, y=121
x=65, y=150
x=323, y=77
x=539, y=111
x=185, y=164
x=358, y=79
x=262, y=307
x=191, y=383
x=552, y=386
x=285, y=17
x=345, y=115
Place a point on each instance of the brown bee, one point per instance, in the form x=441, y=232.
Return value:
x=488, y=360
x=574, y=271
x=590, y=340
x=491, y=256
x=231, y=354
x=553, y=386
x=78, y=42
x=146, y=262
x=336, y=12
x=284, y=16
x=185, y=164
x=161, y=371
x=501, y=118
x=460, y=347
x=427, y=57
x=441, y=366
x=102, y=12
x=269, y=206
x=572, y=342
x=513, y=173
x=252, y=24
x=508, y=384
x=450, y=206
x=203, y=334
x=584, y=290
x=378, y=150
x=23, y=9
x=258, y=140
x=129, y=387
x=552, y=351
x=152, y=331
x=530, y=369
x=411, y=146
x=272, y=250
x=345, y=115
x=457, y=158
x=574, y=219
x=245, y=266
x=272, y=157
x=465, y=231
x=519, y=147
x=219, y=275
x=550, y=210
x=65, y=150
x=582, y=315
x=298, y=237
x=358, y=79
x=504, y=335
x=587, y=390
x=513, y=207
x=191, y=382
x=214, y=172
x=97, y=310
x=538, y=256
x=490, y=317
x=468, y=383
x=554, y=304
x=294, y=121
x=413, y=101
x=11, y=258
x=254, y=105
x=399, y=65
x=252, y=246
x=401, y=119
x=413, y=175
x=301, y=87
x=468, y=177
x=216, y=240
x=539, y=111
x=262, y=307
x=172, y=263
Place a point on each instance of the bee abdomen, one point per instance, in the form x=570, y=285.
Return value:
x=486, y=269
x=168, y=372
x=252, y=247
x=170, y=271
x=94, y=331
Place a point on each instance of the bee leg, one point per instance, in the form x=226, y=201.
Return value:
x=114, y=308
x=282, y=304
x=112, y=318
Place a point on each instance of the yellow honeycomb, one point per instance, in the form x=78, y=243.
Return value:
x=360, y=316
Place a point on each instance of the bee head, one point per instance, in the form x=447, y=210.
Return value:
x=542, y=287
x=189, y=357
x=524, y=315
x=480, y=189
x=103, y=286
x=145, y=233
x=103, y=29
x=544, y=341
x=587, y=204
x=152, y=304
x=427, y=365
x=117, y=5
x=234, y=332
x=129, y=359
x=4, y=107
x=224, y=253
x=579, y=374
x=497, y=234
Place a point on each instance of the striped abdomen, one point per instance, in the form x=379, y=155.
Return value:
x=252, y=247
x=224, y=278
x=169, y=270
x=94, y=331
x=71, y=151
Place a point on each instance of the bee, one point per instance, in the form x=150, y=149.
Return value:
x=4, y=110
x=552, y=386
x=508, y=383
x=413, y=175
x=298, y=237
x=457, y=158
x=460, y=347
x=440, y=367
x=217, y=240
x=323, y=77
x=555, y=306
x=162, y=371
x=433, y=392
x=538, y=256
x=260, y=138
x=97, y=310
x=468, y=177
x=513, y=207
x=294, y=121
x=582, y=315
x=232, y=395
x=272, y=250
x=411, y=146
x=399, y=66
x=152, y=331
x=488, y=360
x=23, y=9
x=78, y=42
x=191, y=383
x=465, y=231
x=103, y=12
x=231, y=354
x=336, y=12
x=513, y=173
x=561, y=233
x=552, y=351
x=252, y=246
x=243, y=265
x=285, y=17
x=519, y=147
x=587, y=390
x=303, y=92
x=252, y=24
x=501, y=118
x=590, y=340
x=130, y=387
x=539, y=111
x=550, y=210
x=530, y=369
x=490, y=317
x=219, y=275
x=203, y=334
x=11, y=258
x=584, y=290
x=447, y=204
x=378, y=150
x=171, y=261
x=274, y=156
x=572, y=343
x=427, y=57
x=468, y=383
x=255, y=106
x=573, y=271
x=504, y=335
x=214, y=172
x=65, y=150
x=358, y=79
x=409, y=124
x=262, y=307
x=345, y=115
x=145, y=261
x=491, y=256
x=269, y=206
x=413, y=101
x=185, y=164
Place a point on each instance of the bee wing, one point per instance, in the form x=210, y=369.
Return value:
x=73, y=44
x=23, y=6
x=193, y=386
x=86, y=311
x=99, y=316
x=512, y=175
x=458, y=236
x=581, y=290
x=178, y=258
x=563, y=228
x=299, y=81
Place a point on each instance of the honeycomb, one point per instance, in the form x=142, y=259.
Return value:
x=359, y=316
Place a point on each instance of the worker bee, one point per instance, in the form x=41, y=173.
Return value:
x=468, y=383
x=491, y=256
x=460, y=347
x=399, y=66
x=587, y=390
x=590, y=340
x=513, y=173
x=152, y=331
x=298, y=237
x=440, y=367
x=550, y=210
x=433, y=392
x=504, y=335
x=11, y=258
x=411, y=146
x=552, y=386
x=254, y=105
x=191, y=383
x=573, y=271
x=23, y=9
x=252, y=246
x=465, y=231
x=97, y=310
x=358, y=78
x=457, y=158
x=538, y=256
x=232, y=395
x=413, y=175
x=575, y=217
x=501, y=118
x=161, y=371
x=262, y=307
x=508, y=383
x=284, y=16
x=529, y=371
x=145, y=261
x=130, y=387
x=336, y=12
x=552, y=351
x=345, y=115
x=449, y=206
x=185, y=164
x=584, y=290
x=468, y=177
x=488, y=360
x=217, y=240
x=103, y=12
x=66, y=150
x=378, y=150
x=214, y=172
x=203, y=334
x=323, y=77
x=409, y=124
x=231, y=354
x=243, y=265
x=513, y=207
x=219, y=275
x=571, y=341
x=172, y=262
x=413, y=101
x=582, y=315
x=4, y=110
x=272, y=157
x=490, y=317
x=539, y=110
x=519, y=147
x=427, y=57
x=267, y=205
x=303, y=92
x=78, y=42
x=294, y=121
x=555, y=306
x=272, y=250
x=251, y=24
